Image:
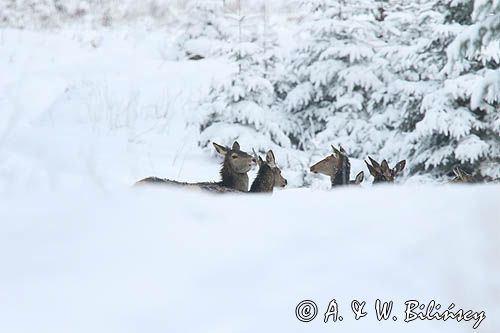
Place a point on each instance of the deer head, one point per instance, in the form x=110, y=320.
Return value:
x=330, y=165
x=461, y=176
x=382, y=172
x=235, y=166
x=269, y=175
x=237, y=160
x=338, y=167
x=279, y=180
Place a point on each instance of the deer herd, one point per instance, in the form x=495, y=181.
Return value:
x=237, y=164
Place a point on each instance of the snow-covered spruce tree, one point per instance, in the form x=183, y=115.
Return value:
x=204, y=30
x=461, y=122
x=333, y=76
x=416, y=35
x=272, y=55
x=243, y=106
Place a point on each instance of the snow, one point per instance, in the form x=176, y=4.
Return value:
x=158, y=260
x=86, y=113
x=118, y=112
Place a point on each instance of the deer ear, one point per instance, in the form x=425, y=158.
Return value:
x=236, y=146
x=342, y=150
x=336, y=151
x=256, y=157
x=270, y=158
x=384, y=166
x=399, y=166
x=260, y=161
x=359, y=178
x=375, y=165
x=371, y=169
x=220, y=149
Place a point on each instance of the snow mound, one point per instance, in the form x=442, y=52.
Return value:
x=157, y=260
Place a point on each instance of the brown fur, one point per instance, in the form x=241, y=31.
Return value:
x=235, y=167
x=382, y=173
x=461, y=176
x=205, y=186
x=358, y=179
x=338, y=167
x=233, y=172
x=269, y=175
x=195, y=57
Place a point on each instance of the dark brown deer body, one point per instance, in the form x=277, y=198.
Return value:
x=269, y=175
x=233, y=172
x=338, y=167
x=206, y=186
x=382, y=173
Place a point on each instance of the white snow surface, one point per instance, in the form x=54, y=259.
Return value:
x=85, y=114
x=153, y=260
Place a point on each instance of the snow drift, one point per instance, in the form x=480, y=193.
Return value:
x=156, y=260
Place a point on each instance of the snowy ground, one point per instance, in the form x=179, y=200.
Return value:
x=161, y=261
x=85, y=114
x=74, y=113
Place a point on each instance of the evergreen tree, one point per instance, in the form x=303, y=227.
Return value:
x=243, y=107
x=204, y=31
x=461, y=123
x=416, y=35
x=334, y=76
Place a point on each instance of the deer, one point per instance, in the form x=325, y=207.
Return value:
x=461, y=176
x=269, y=175
x=338, y=167
x=233, y=172
x=382, y=172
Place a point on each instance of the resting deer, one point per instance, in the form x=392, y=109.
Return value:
x=269, y=175
x=382, y=173
x=233, y=172
x=461, y=176
x=338, y=167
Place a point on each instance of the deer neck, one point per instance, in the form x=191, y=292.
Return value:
x=343, y=174
x=232, y=179
x=264, y=182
